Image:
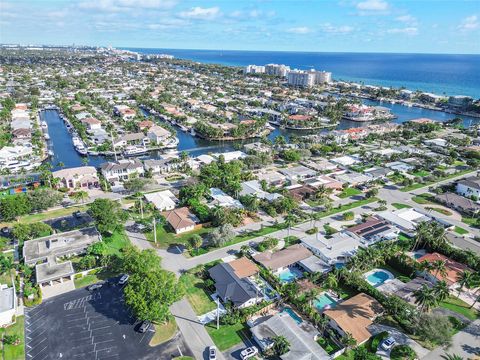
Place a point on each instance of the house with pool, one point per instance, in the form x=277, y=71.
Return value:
x=334, y=250
x=286, y=263
x=453, y=269
x=354, y=316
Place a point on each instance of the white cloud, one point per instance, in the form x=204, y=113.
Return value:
x=200, y=13
x=332, y=29
x=469, y=23
x=410, y=31
x=372, y=5
x=299, y=30
x=407, y=19
x=126, y=5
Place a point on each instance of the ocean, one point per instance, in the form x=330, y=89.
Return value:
x=438, y=73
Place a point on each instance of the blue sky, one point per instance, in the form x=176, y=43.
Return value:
x=434, y=26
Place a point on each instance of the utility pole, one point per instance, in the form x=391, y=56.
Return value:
x=218, y=312
x=113, y=144
x=141, y=207
x=155, y=230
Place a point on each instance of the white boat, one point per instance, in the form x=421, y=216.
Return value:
x=192, y=131
x=46, y=136
x=134, y=150
x=44, y=124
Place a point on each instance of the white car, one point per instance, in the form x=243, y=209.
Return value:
x=249, y=352
x=388, y=343
x=212, y=353
x=123, y=279
x=94, y=287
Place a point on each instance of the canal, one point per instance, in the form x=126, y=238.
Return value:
x=64, y=152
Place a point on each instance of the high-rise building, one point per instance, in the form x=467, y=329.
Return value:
x=277, y=70
x=300, y=78
x=322, y=77
x=254, y=69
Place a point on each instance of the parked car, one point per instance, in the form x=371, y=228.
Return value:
x=123, y=279
x=249, y=352
x=212, y=353
x=94, y=287
x=144, y=326
x=388, y=343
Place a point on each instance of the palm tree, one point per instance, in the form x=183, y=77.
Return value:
x=422, y=234
x=425, y=297
x=289, y=221
x=439, y=267
x=441, y=290
x=464, y=279
x=451, y=357
x=331, y=282
x=348, y=341
x=280, y=345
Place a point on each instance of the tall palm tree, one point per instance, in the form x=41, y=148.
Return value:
x=289, y=221
x=464, y=279
x=348, y=341
x=451, y=357
x=441, y=290
x=425, y=297
x=331, y=282
x=439, y=267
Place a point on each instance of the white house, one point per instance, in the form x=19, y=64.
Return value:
x=337, y=249
x=469, y=187
x=158, y=135
x=254, y=188
x=121, y=170
x=223, y=200
x=8, y=304
x=162, y=200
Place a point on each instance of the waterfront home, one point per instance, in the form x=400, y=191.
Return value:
x=131, y=139
x=336, y=249
x=181, y=220
x=354, y=316
x=121, y=170
x=373, y=230
x=234, y=281
x=91, y=123
x=124, y=111
x=301, y=336
x=459, y=203
x=77, y=177
x=161, y=166
x=162, y=200
x=17, y=152
x=257, y=147
x=453, y=269
x=469, y=187
x=230, y=155
x=158, y=135
x=8, y=304
x=298, y=173
x=254, y=188
x=219, y=198
x=21, y=124
x=283, y=259
x=272, y=178
x=21, y=136
x=145, y=124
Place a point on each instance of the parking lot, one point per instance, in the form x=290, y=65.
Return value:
x=92, y=326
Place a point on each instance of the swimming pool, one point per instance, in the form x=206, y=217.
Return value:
x=293, y=315
x=289, y=275
x=324, y=301
x=377, y=277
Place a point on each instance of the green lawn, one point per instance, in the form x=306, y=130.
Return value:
x=328, y=345
x=461, y=307
x=346, y=207
x=90, y=279
x=349, y=192
x=28, y=219
x=421, y=173
x=197, y=294
x=469, y=221
x=166, y=238
x=227, y=335
x=459, y=230
x=116, y=242
x=450, y=176
x=401, y=206
x=256, y=233
x=15, y=352
x=440, y=210
x=163, y=332
x=422, y=199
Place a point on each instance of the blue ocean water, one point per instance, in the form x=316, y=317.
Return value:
x=438, y=73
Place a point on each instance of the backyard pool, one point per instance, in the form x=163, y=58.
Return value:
x=418, y=254
x=377, y=277
x=293, y=315
x=324, y=301
x=289, y=275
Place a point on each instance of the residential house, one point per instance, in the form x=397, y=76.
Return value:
x=354, y=316
x=453, y=269
x=400, y=166
x=352, y=178
x=162, y=200
x=378, y=173
x=8, y=304
x=373, y=230
x=325, y=181
x=131, y=139
x=121, y=170
x=92, y=123
x=158, y=135
x=272, y=178
x=301, y=192
x=161, y=166
x=346, y=160
x=321, y=165
x=124, y=111
x=233, y=282
x=405, y=291
x=302, y=337
x=77, y=177
x=298, y=173
x=219, y=198
x=406, y=220
x=283, y=259
x=254, y=188
x=460, y=203
x=336, y=249
x=469, y=187
x=181, y=220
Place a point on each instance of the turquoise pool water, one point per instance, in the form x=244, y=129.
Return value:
x=378, y=277
x=293, y=315
x=288, y=275
x=324, y=301
x=417, y=255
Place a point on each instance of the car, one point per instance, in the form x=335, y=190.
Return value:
x=388, y=343
x=212, y=352
x=144, y=326
x=249, y=352
x=94, y=287
x=123, y=279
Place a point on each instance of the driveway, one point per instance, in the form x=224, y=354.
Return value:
x=400, y=338
x=465, y=343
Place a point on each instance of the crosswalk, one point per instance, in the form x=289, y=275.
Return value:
x=81, y=302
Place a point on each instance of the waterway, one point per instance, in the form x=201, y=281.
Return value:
x=64, y=152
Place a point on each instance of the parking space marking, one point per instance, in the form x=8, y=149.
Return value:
x=81, y=302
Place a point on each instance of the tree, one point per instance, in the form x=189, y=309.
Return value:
x=136, y=184
x=348, y=341
x=439, y=267
x=348, y=215
x=12, y=207
x=107, y=213
x=290, y=221
x=280, y=345
x=425, y=297
x=139, y=262
x=371, y=193
x=42, y=199
x=195, y=242
x=362, y=353
x=464, y=279
x=79, y=196
x=331, y=282
x=150, y=294
x=451, y=357
x=434, y=328
x=441, y=290
x=97, y=249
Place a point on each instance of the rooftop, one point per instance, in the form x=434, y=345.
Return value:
x=282, y=258
x=53, y=271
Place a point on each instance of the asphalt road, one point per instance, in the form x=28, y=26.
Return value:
x=85, y=325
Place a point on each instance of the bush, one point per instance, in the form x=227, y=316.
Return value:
x=349, y=215
x=403, y=352
x=11, y=339
x=312, y=231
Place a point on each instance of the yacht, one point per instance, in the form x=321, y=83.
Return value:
x=79, y=145
x=46, y=136
x=134, y=150
x=44, y=124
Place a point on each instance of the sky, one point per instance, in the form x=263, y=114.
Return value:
x=413, y=26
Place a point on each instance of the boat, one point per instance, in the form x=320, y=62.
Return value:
x=192, y=131
x=46, y=136
x=44, y=124
x=79, y=145
x=134, y=150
